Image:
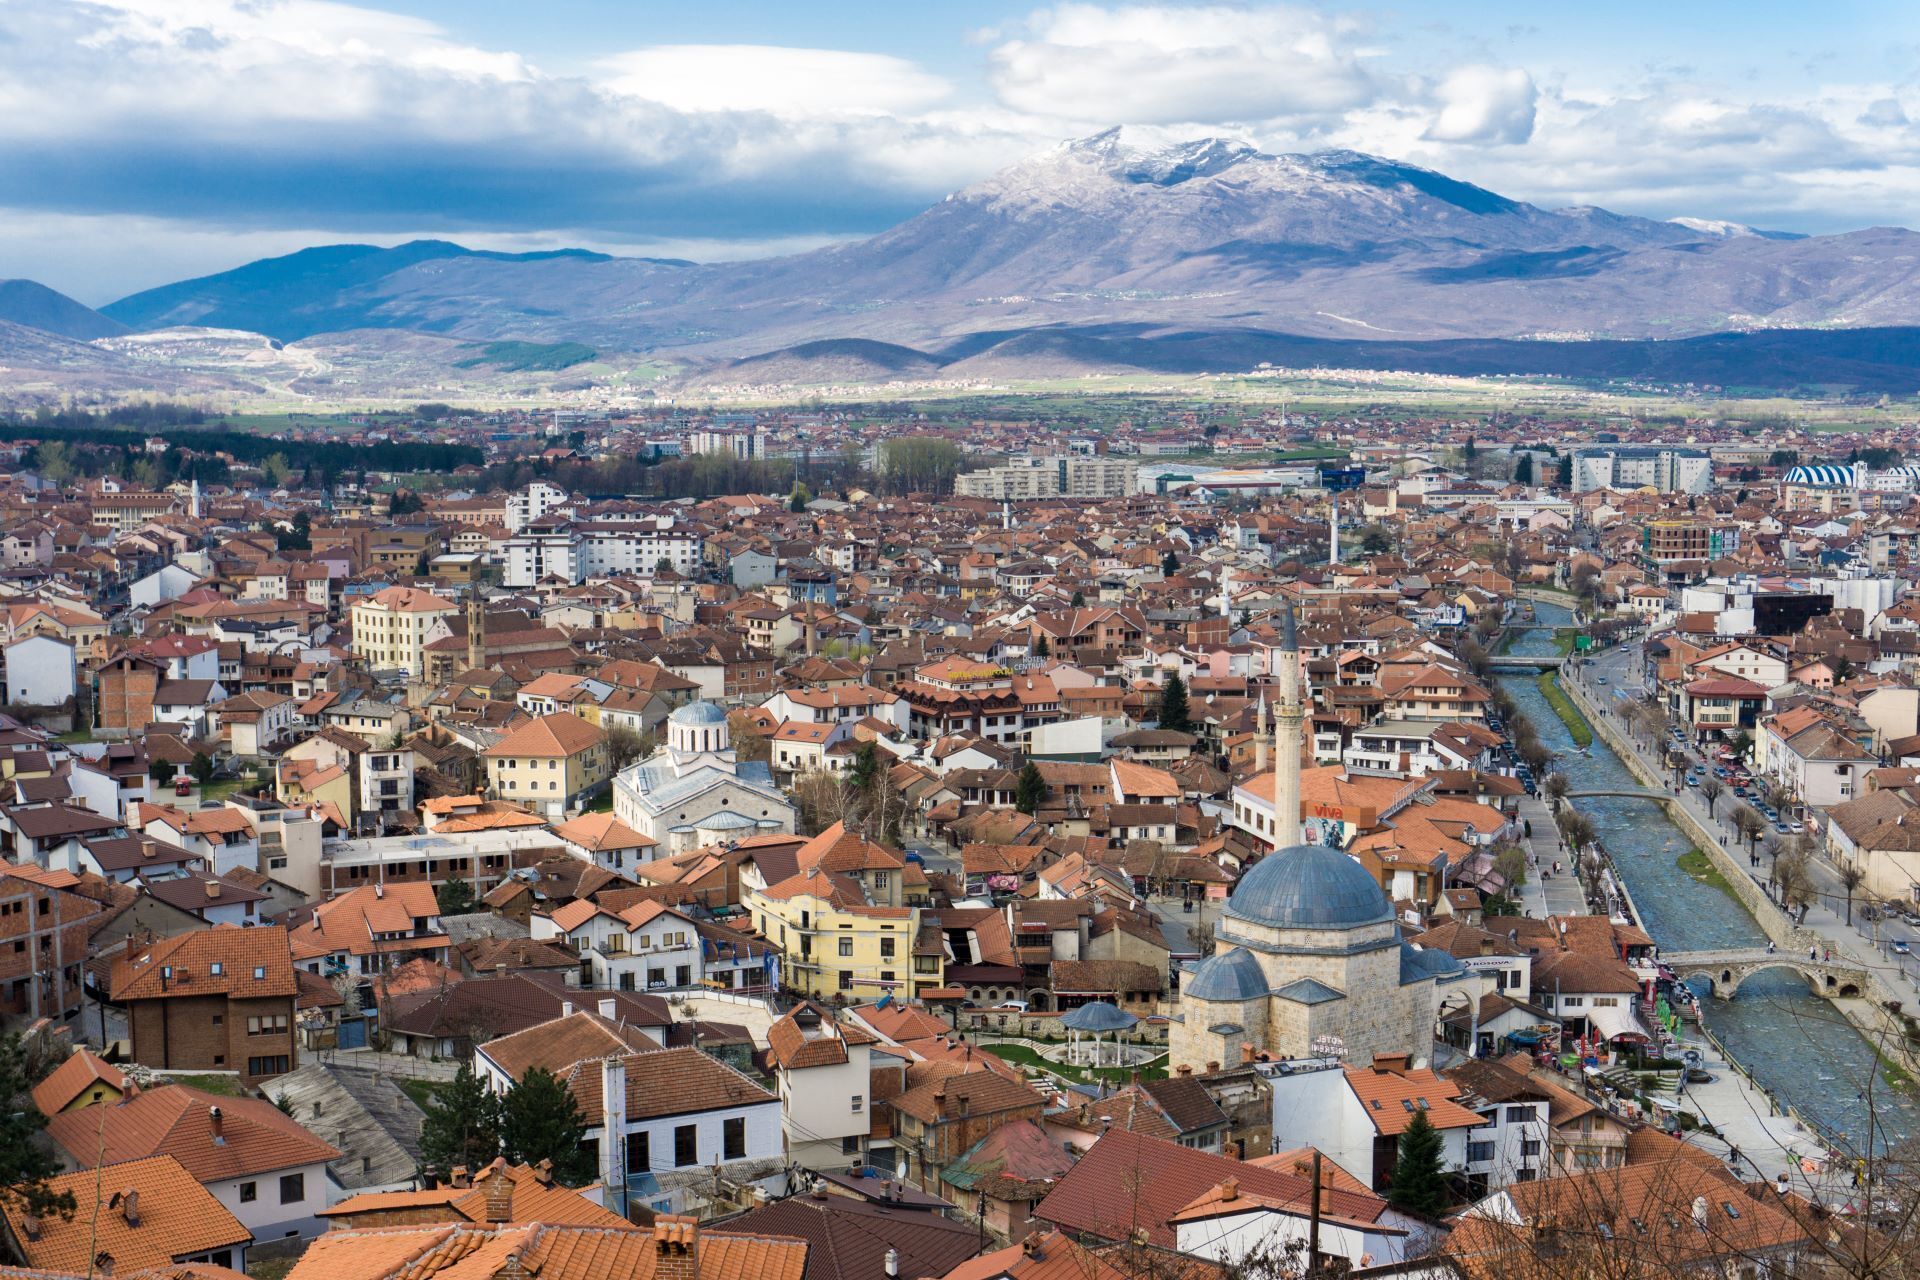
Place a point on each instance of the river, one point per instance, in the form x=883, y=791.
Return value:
x=1790, y=1040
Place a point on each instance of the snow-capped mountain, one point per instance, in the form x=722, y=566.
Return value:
x=1180, y=237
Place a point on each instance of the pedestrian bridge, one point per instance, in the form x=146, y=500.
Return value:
x=1512, y=662
x=1621, y=793
x=1726, y=970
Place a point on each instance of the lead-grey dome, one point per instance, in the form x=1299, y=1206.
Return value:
x=1231, y=975
x=1097, y=1016
x=698, y=713
x=1309, y=886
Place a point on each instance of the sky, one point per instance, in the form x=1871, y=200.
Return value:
x=144, y=141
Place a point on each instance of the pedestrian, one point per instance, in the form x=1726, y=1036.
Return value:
x=1813, y=953
x=1769, y=946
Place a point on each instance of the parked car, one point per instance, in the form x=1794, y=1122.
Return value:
x=183, y=787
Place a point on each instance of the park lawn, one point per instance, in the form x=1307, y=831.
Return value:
x=1577, y=727
x=1023, y=1056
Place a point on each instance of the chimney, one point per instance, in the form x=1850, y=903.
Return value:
x=613, y=1121
x=213, y=889
x=30, y=1225
x=609, y=1007
x=676, y=1238
x=1213, y=1068
x=1232, y=1150
x=1246, y=1053
x=379, y=890
x=566, y=1008
x=1230, y=1189
x=130, y=1206
x=1034, y=1246
x=499, y=1192
x=1385, y=1063
x=543, y=1173
x=511, y=1268
x=215, y=1121
x=1184, y=1070
x=893, y=1263
x=458, y=1177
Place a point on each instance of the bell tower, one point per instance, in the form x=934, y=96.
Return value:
x=476, y=631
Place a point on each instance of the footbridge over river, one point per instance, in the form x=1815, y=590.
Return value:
x=1622, y=793
x=1516, y=662
x=1726, y=970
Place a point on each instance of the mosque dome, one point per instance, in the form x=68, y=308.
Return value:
x=1229, y=976
x=1309, y=886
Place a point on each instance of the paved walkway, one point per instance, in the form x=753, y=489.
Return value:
x=1542, y=897
x=1863, y=944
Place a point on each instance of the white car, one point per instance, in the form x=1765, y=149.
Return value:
x=1013, y=1005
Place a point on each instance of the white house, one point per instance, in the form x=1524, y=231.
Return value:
x=660, y=1125
x=40, y=671
x=823, y=1072
x=1356, y=1115
x=168, y=582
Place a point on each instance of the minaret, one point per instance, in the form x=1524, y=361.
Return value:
x=1333, y=531
x=476, y=631
x=1287, y=718
x=1261, y=729
x=195, y=508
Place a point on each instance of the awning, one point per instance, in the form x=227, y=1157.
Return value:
x=1611, y=1022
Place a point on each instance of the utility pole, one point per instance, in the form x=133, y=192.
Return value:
x=1313, y=1222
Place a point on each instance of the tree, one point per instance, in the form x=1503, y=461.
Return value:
x=797, y=501
x=1563, y=471
x=918, y=464
x=1793, y=873
x=746, y=739
x=1419, y=1182
x=1173, y=704
x=455, y=897
x=1851, y=878
x=1556, y=786
x=462, y=1125
x=54, y=461
x=1749, y=825
x=404, y=503
x=539, y=1120
x=161, y=771
x=1523, y=469
x=1510, y=864
x=1169, y=564
x=1711, y=789
x=201, y=767
x=275, y=470
x=624, y=746
x=26, y=1162
x=297, y=538
x=1079, y=600
x=1374, y=539
x=1030, y=790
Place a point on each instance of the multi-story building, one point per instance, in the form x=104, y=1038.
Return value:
x=217, y=999
x=40, y=974
x=531, y=503
x=1665, y=541
x=574, y=551
x=392, y=627
x=552, y=765
x=1050, y=477
x=1662, y=468
x=837, y=945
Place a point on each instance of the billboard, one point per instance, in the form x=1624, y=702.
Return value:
x=1341, y=479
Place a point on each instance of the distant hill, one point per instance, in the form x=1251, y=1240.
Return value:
x=29, y=303
x=1209, y=252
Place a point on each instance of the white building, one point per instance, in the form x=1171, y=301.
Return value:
x=40, y=671
x=1662, y=468
x=694, y=792
x=531, y=503
x=577, y=551
x=823, y=1071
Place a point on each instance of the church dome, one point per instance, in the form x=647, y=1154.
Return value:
x=1309, y=886
x=1230, y=976
x=698, y=713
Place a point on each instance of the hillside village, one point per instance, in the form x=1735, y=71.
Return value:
x=1126, y=853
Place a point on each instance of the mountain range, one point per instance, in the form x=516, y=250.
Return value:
x=1107, y=254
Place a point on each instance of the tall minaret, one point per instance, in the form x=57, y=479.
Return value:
x=195, y=508
x=1287, y=718
x=1333, y=531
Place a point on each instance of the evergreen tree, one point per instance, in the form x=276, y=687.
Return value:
x=798, y=502
x=1169, y=564
x=161, y=771
x=1079, y=600
x=1563, y=471
x=1523, y=470
x=1419, y=1181
x=462, y=1125
x=1173, y=704
x=1041, y=649
x=1030, y=790
x=201, y=767
x=539, y=1120
x=26, y=1163
x=455, y=897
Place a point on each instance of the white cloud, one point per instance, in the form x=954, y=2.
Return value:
x=1160, y=64
x=1482, y=105
x=786, y=82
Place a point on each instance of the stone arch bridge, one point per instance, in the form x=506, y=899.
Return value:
x=1726, y=970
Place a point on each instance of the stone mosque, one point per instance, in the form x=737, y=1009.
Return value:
x=1308, y=958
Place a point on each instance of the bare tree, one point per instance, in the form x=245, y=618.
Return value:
x=1556, y=786
x=1851, y=878
x=1711, y=789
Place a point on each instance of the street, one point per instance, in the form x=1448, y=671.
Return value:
x=1865, y=943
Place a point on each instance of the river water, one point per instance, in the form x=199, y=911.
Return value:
x=1792, y=1042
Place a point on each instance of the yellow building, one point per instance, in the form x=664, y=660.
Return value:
x=833, y=943
x=552, y=765
x=391, y=628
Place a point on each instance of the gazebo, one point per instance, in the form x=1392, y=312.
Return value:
x=1098, y=1019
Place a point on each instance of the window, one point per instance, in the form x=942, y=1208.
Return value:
x=1529, y=1146
x=249, y=1192
x=217, y=969
x=850, y=1146
x=639, y=1153
x=267, y=1025
x=846, y=946
x=293, y=1188
x=1479, y=1152
x=733, y=1138
x=859, y=1101
x=886, y=948
x=270, y=1065
x=686, y=1146
x=846, y=980
x=1519, y=1115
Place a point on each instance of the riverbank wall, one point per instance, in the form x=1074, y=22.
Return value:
x=1882, y=1028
